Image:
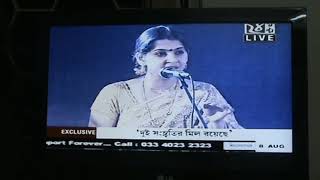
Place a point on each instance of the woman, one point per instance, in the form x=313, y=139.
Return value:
x=157, y=102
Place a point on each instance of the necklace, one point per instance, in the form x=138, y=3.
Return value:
x=154, y=121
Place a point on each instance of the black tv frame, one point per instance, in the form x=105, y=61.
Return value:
x=31, y=31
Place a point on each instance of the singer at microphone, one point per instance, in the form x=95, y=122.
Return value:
x=154, y=99
x=171, y=72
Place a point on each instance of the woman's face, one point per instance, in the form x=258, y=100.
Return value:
x=166, y=53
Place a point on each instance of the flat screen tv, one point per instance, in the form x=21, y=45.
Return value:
x=186, y=93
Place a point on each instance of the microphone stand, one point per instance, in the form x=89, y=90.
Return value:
x=185, y=87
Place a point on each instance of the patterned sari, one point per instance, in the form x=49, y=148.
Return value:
x=123, y=103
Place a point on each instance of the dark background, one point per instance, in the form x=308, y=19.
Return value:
x=11, y=69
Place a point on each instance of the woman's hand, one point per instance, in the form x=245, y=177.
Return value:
x=214, y=112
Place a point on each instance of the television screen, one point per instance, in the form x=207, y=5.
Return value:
x=171, y=87
x=202, y=93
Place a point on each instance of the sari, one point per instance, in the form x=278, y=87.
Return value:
x=123, y=104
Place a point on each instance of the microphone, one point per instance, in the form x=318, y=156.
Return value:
x=171, y=72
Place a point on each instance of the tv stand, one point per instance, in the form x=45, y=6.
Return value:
x=164, y=177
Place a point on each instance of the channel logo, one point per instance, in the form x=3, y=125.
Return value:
x=260, y=32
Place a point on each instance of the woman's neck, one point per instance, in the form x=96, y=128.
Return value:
x=158, y=83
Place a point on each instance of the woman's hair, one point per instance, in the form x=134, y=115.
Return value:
x=145, y=43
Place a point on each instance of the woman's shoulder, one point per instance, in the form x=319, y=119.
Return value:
x=113, y=86
x=133, y=82
x=200, y=85
x=122, y=85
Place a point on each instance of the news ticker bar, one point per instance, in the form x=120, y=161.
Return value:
x=259, y=140
x=152, y=145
